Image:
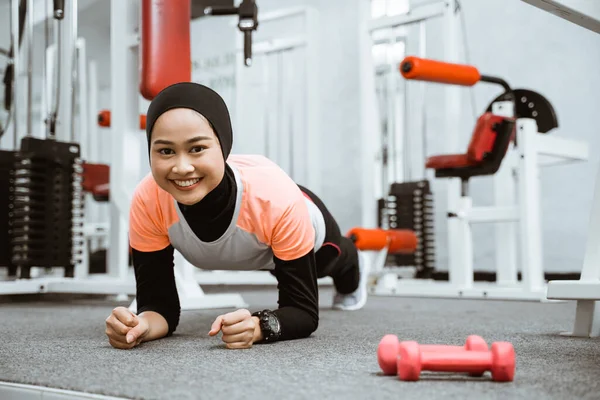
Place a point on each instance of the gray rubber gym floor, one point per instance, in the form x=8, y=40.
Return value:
x=60, y=343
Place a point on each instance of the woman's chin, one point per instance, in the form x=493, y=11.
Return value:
x=189, y=198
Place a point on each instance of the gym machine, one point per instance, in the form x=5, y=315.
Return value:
x=42, y=198
x=408, y=204
x=509, y=141
x=41, y=183
x=586, y=290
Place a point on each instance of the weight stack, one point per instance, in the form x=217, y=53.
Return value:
x=48, y=209
x=410, y=206
x=6, y=199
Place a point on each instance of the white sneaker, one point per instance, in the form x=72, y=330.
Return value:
x=357, y=299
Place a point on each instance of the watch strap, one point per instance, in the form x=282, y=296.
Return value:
x=264, y=318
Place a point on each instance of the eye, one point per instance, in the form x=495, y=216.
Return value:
x=197, y=149
x=165, y=151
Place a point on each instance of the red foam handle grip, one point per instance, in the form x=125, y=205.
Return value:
x=441, y=72
x=104, y=119
x=398, y=240
x=165, y=45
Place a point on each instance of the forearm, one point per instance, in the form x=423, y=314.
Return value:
x=296, y=323
x=157, y=325
x=298, y=311
x=155, y=285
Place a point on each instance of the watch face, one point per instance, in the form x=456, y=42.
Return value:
x=274, y=324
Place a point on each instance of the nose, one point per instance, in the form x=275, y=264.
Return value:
x=183, y=166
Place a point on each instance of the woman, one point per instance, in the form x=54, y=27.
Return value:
x=231, y=212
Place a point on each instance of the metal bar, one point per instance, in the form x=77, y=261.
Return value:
x=14, y=25
x=73, y=69
x=51, y=55
x=493, y=79
x=549, y=145
x=529, y=205
x=82, y=89
x=452, y=111
x=584, y=13
x=574, y=290
x=29, y=68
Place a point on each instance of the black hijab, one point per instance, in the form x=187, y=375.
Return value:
x=195, y=97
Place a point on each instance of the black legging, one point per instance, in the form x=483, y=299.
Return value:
x=337, y=257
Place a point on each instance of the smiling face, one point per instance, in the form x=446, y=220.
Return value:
x=185, y=154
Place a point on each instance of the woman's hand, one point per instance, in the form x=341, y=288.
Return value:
x=124, y=329
x=240, y=329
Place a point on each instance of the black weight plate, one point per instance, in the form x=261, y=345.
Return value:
x=533, y=105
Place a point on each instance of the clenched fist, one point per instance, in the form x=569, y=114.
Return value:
x=124, y=329
x=240, y=329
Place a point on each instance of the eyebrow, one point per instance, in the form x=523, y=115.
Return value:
x=189, y=141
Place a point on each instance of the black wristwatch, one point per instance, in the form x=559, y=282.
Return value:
x=269, y=325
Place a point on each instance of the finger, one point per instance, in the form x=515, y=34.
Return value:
x=118, y=339
x=136, y=333
x=115, y=336
x=216, y=326
x=239, y=337
x=119, y=345
x=239, y=345
x=236, y=316
x=242, y=326
x=125, y=316
x=117, y=326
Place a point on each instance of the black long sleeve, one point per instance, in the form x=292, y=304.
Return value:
x=155, y=285
x=298, y=311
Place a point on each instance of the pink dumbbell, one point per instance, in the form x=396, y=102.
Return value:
x=500, y=361
x=389, y=350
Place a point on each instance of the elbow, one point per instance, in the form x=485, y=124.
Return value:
x=170, y=315
x=315, y=324
x=173, y=321
x=312, y=327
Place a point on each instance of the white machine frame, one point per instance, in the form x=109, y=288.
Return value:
x=586, y=290
x=517, y=204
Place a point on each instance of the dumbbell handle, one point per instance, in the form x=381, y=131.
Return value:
x=437, y=348
x=458, y=361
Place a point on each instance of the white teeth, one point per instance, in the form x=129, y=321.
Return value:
x=189, y=182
